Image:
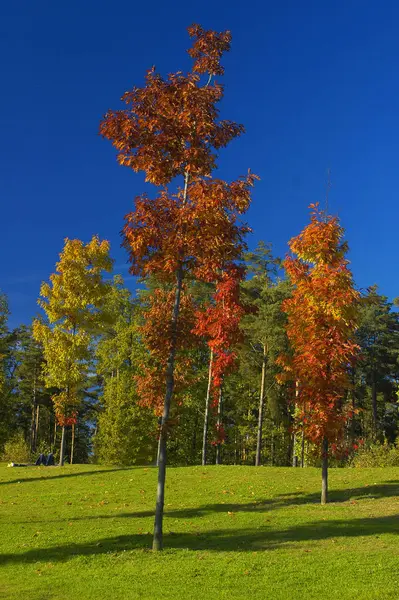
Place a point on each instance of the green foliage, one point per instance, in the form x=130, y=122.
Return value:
x=264, y=340
x=377, y=455
x=6, y=373
x=126, y=431
x=377, y=372
x=17, y=449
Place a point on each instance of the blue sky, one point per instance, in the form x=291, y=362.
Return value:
x=316, y=85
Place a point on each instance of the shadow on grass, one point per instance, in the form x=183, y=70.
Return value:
x=59, y=475
x=223, y=540
x=389, y=489
x=386, y=490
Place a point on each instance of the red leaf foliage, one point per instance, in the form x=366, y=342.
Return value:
x=201, y=231
x=171, y=127
x=64, y=420
x=157, y=337
x=219, y=323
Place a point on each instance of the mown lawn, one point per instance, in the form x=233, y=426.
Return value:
x=84, y=532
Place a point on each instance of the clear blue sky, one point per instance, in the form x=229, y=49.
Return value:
x=315, y=83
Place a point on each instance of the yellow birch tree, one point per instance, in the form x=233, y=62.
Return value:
x=73, y=302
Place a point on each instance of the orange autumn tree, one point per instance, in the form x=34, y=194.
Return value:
x=321, y=326
x=169, y=129
x=219, y=324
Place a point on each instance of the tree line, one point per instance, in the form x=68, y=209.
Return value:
x=112, y=418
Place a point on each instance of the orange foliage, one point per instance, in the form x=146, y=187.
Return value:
x=321, y=324
x=158, y=339
x=200, y=232
x=170, y=128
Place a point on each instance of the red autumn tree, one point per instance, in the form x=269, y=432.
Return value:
x=171, y=128
x=321, y=325
x=219, y=324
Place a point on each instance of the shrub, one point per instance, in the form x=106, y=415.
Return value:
x=377, y=455
x=17, y=450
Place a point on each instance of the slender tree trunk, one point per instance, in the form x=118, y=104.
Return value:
x=235, y=448
x=294, y=439
x=32, y=429
x=374, y=406
x=206, y=415
x=353, y=402
x=302, y=447
x=62, y=448
x=55, y=433
x=272, y=447
x=72, y=442
x=159, y=441
x=219, y=422
x=34, y=425
x=158, y=533
x=157, y=543
x=324, y=471
x=261, y=409
x=194, y=442
x=37, y=425
x=294, y=456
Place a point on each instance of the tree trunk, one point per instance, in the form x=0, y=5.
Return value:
x=34, y=422
x=235, y=448
x=62, y=448
x=32, y=429
x=261, y=409
x=324, y=471
x=294, y=454
x=374, y=406
x=289, y=441
x=272, y=447
x=302, y=448
x=72, y=442
x=157, y=543
x=206, y=416
x=159, y=440
x=37, y=424
x=55, y=433
x=194, y=442
x=353, y=402
x=219, y=422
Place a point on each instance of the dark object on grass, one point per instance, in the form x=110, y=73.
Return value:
x=50, y=460
x=41, y=460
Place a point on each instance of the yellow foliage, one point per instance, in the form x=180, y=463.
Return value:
x=73, y=303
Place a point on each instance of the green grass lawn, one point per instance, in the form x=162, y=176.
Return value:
x=84, y=532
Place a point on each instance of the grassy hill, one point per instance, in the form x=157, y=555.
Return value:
x=84, y=532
